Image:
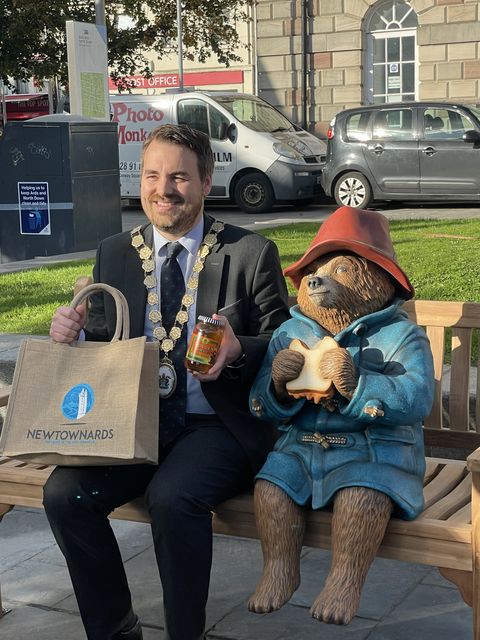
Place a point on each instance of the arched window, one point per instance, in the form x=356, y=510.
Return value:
x=390, y=28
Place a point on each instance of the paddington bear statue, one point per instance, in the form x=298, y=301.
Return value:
x=357, y=445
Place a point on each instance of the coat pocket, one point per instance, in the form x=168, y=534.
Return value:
x=395, y=446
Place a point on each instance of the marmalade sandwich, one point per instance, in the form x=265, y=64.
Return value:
x=310, y=383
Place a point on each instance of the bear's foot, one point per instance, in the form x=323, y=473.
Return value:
x=337, y=603
x=277, y=585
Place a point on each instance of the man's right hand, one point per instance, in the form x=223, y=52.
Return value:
x=67, y=323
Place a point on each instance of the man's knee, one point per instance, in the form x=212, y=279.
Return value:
x=170, y=509
x=60, y=493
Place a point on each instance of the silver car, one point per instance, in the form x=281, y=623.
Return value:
x=405, y=151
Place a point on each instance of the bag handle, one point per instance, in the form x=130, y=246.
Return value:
x=122, y=328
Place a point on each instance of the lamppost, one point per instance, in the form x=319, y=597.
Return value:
x=100, y=12
x=179, y=44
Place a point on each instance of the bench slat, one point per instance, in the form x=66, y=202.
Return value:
x=425, y=550
x=462, y=516
x=443, y=313
x=432, y=467
x=459, y=379
x=451, y=503
x=436, y=335
x=22, y=472
x=444, y=482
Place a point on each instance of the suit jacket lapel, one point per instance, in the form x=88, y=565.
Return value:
x=210, y=279
x=135, y=290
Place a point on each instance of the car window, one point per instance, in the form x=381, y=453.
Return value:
x=217, y=119
x=441, y=124
x=356, y=126
x=194, y=113
x=393, y=124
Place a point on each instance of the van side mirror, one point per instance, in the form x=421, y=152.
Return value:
x=471, y=136
x=232, y=132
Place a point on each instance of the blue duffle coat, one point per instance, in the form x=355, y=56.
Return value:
x=380, y=428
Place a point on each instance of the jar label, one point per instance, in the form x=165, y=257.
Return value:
x=202, y=349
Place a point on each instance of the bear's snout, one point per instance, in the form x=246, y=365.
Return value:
x=314, y=282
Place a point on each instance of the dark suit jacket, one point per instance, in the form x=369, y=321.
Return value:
x=241, y=280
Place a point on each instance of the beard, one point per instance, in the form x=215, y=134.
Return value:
x=178, y=220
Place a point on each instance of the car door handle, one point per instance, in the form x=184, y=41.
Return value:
x=378, y=149
x=429, y=151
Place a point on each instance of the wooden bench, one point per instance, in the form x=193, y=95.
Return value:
x=446, y=535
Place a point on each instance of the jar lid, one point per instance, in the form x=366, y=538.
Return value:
x=209, y=320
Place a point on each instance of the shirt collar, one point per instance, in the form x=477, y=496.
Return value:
x=191, y=241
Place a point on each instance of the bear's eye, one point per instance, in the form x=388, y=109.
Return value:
x=341, y=269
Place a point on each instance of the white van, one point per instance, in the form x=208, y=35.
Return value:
x=260, y=156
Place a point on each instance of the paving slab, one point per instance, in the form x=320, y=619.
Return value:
x=441, y=622
x=289, y=623
x=24, y=534
x=387, y=583
x=35, y=623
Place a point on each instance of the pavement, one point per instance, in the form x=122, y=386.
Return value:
x=400, y=601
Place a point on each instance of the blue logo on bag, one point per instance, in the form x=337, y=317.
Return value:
x=78, y=401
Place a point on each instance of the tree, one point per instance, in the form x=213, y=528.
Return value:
x=33, y=39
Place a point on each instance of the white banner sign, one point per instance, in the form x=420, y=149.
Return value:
x=87, y=70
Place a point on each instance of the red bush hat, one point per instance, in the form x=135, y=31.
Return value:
x=365, y=233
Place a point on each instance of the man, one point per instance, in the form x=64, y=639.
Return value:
x=210, y=445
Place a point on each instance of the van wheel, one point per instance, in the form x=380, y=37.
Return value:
x=253, y=193
x=353, y=190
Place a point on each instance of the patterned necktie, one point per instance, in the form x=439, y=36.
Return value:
x=172, y=289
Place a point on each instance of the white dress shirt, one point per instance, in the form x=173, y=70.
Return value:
x=191, y=241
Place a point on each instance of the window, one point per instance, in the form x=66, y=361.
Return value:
x=203, y=117
x=255, y=114
x=194, y=113
x=394, y=124
x=391, y=31
x=356, y=126
x=441, y=124
x=218, y=123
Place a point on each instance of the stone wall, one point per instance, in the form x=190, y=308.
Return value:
x=448, y=40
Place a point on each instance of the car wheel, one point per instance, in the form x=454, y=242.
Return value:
x=353, y=190
x=253, y=193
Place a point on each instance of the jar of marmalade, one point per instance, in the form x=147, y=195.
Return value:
x=204, y=344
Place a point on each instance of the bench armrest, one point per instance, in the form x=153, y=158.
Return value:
x=4, y=395
x=473, y=461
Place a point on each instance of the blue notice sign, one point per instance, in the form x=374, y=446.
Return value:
x=34, y=208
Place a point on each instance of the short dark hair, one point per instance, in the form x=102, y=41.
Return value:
x=183, y=136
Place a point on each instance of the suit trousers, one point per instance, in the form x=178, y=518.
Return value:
x=201, y=468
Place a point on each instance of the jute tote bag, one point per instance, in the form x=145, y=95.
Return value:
x=89, y=403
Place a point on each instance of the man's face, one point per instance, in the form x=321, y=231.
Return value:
x=172, y=192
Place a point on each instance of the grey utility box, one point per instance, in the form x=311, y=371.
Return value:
x=60, y=188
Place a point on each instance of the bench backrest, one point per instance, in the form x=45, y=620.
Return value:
x=455, y=417
x=456, y=408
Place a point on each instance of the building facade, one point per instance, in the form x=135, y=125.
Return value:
x=317, y=57
x=206, y=76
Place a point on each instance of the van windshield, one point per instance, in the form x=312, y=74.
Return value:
x=255, y=114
